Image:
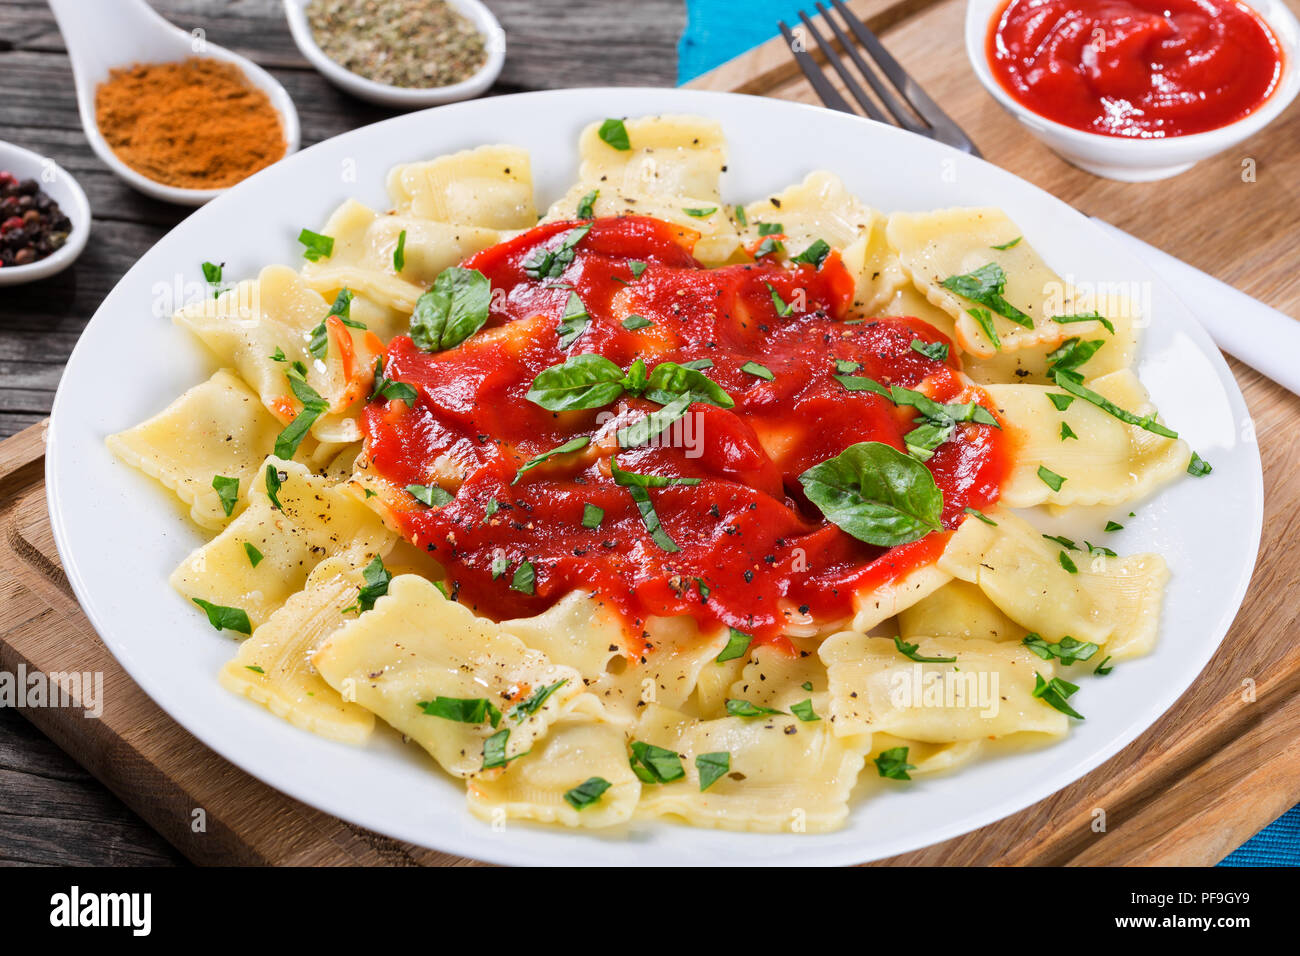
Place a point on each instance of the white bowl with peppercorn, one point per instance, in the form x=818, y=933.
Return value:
x=407, y=54
x=44, y=216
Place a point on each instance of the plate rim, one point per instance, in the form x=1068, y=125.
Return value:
x=477, y=844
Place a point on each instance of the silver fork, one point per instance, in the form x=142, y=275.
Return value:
x=916, y=112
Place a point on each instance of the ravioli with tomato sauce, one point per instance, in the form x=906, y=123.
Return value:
x=740, y=544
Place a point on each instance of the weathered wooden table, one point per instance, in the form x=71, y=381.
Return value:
x=51, y=811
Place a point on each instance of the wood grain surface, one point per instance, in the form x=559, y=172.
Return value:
x=1219, y=765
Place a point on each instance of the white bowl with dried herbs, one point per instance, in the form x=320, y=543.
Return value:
x=407, y=54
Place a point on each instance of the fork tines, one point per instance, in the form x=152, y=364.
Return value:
x=897, y=99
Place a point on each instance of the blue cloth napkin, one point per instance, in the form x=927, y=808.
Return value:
x=716, y=31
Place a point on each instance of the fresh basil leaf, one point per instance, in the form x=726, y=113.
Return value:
x=494, y=749
x=647, y=428
x=848, y=367
x=769, y=247
x=1062, y=402
x=546, y=262
x=711, y=766
x=637, y=267
x=662, y=765
x=316, y=246
x=1198, y=467
x=630, y=479
x=1073, y=353
x=935, y=351
x=375, y=579
x=740, y=216
x=462, y=710
x=804, y=711
x=759, y=371
x=574, y=321
x=771, y=229
x=1008, y=245
x=1067, y=650
x=536, y=700
x=273, y=485
x=278, y=355
x=1101, y=670
x=391, y=390
x=700, y=365
x=876, y=493
x=634, y=322
x=587, y=204
x=614, y=132
x=782, y=309
x=1068, y=563
x=860, y=383
x=815, y=254
x=573, y=444
x=744, y=708
x=399, y=253
x=701, y=213
x=1050, y=478
x=254, y=668
x=984, y=286
x=500, y=565
x=525, y=579
x=984, y=319
x=581, y=381
x=650, y=518
x=592, y=516
x=227, y=492
x=434, y=496
x=1067, y=432
x=1055, y=692
x=1113, y=526
x=670, y=380
x=225, y=618
x=910, y=652
x=254, y=556
x=1079, y=390
x=922, y=441
x=981, y=515
x=1106, y=323
x=892, y=764
x=737, y=646
x=313, y=407
x=454, y=309
x=586, y=793
x=319, y=343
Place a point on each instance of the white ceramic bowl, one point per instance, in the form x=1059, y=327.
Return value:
x=1139, y=160
x=59, y=185
x=104, y=36
x=397, y=96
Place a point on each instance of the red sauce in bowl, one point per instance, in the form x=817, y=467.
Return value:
x=745, y=531
x=1142, y=69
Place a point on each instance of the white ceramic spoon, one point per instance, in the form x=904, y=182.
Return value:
x=100, y=36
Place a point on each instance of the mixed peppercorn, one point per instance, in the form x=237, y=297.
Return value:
x=32, y=226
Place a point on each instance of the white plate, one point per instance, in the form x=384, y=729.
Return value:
x=120, y=536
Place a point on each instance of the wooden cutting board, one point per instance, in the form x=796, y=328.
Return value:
x=1222, y=763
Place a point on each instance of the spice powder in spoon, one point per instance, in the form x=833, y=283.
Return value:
x=196, y=124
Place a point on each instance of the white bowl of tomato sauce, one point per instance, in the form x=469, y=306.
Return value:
x=1137, y=90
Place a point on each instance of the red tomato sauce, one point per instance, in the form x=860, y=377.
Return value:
x=1142, y=69
x=745, y=532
